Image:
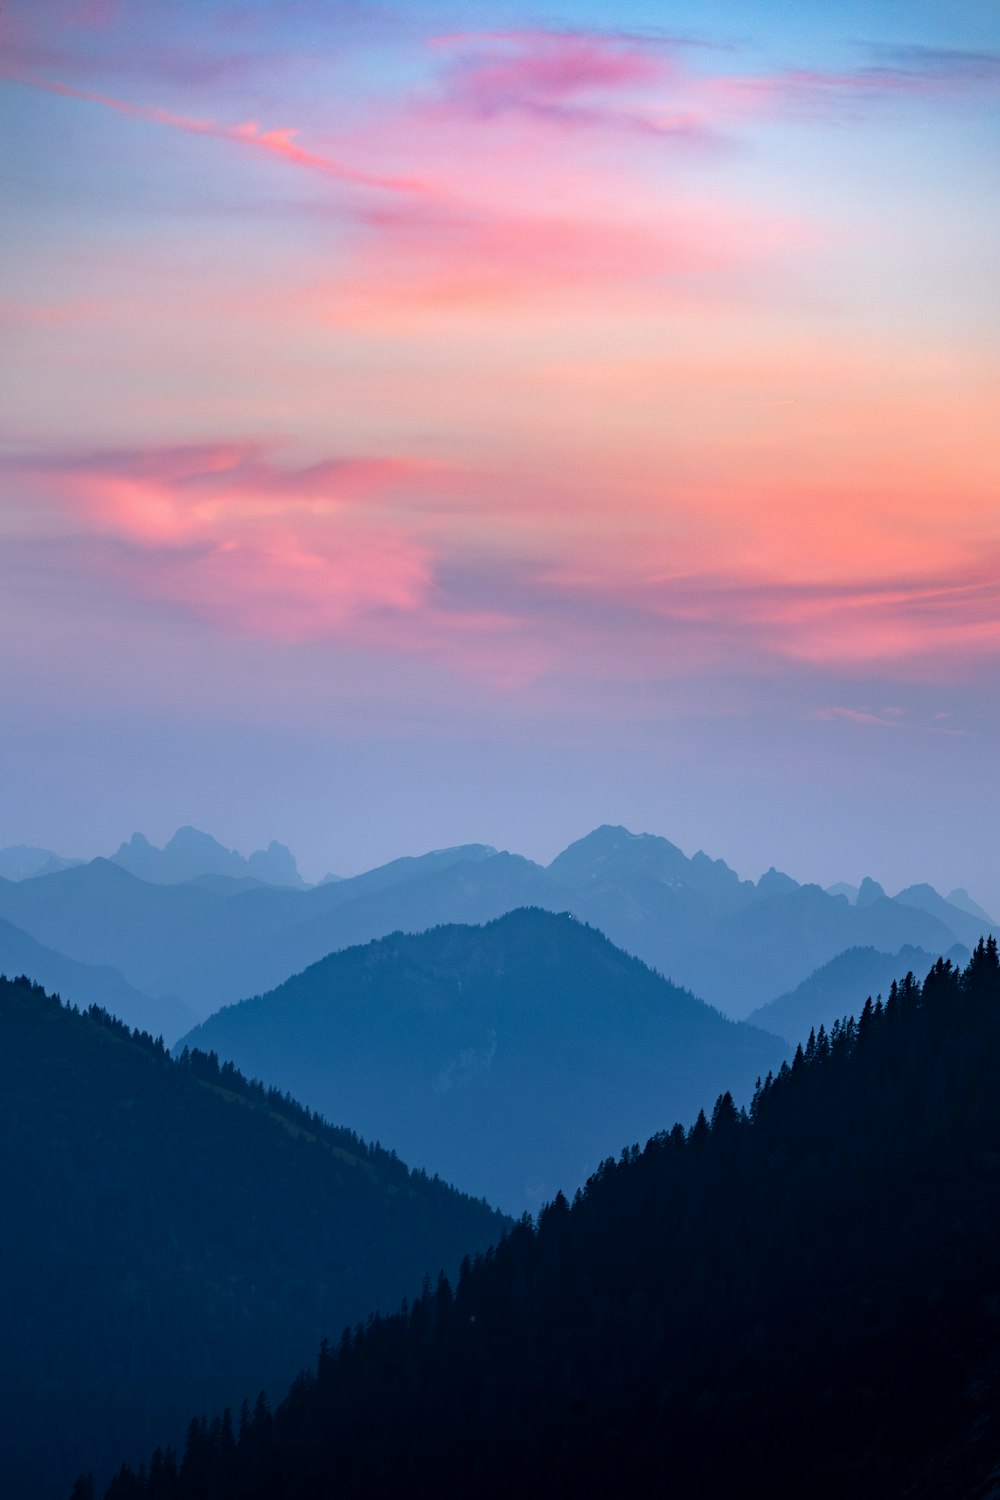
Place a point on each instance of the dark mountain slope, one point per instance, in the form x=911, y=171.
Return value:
x=90, y=984
x=175, y=1238
x=507, y=1057
x=802, y=1301
x=847, y=979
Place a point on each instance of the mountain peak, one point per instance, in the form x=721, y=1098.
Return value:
x=612, y=846
x=137, y=844
x=869, y=891
x=192, y=853
x=190, y=838
x=776, y=883
x=961, y=898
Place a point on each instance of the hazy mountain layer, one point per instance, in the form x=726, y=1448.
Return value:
x=219, y=938
x=84, y=985
x=801, y=1301
x=174, y=1239
x=23, y=861
x=508, y=1057
x=734, y=943
x=967, y=926
x=840, y=988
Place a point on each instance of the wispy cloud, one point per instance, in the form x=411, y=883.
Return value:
x=861, y=625
x=895, y=74
x=950, y=66
x=577, y=79
x=281, y=142
x=855, y=716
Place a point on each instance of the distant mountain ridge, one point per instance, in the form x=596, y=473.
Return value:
x=735, y=943
x=191, y=854
x=839, y=989
x=506, y=1057
x=24, y=861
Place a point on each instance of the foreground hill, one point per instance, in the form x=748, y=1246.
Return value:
x=175, y=1238
x=798, y=1301
x=508, y=1057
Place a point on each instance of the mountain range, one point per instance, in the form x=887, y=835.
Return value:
x=215, y=939
x=508, y=1058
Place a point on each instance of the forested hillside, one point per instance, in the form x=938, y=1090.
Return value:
x=799, y=1300
x=175, y=1237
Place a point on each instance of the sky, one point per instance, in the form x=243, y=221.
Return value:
x=434, y=422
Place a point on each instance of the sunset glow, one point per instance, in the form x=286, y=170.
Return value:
x=534, y=372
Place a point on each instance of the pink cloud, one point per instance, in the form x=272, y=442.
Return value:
x=224, y=534
x=360, y=550
x=591, y=80
x=230, y=536
x=499, y=68
x=553, y=215
x=923, y=624
x=478, y=259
